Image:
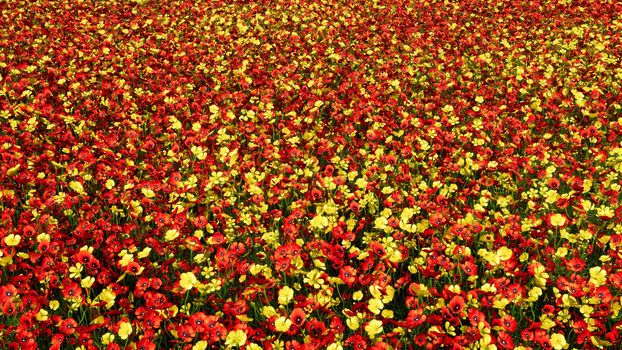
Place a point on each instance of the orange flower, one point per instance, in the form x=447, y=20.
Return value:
x=348, y=275
x=68, y=326
x=414, y=318
x=456, y=305
x=298, y=317
x=575, y=264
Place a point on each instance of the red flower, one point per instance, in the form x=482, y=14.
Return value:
x=282, y=264
x=576, y=183
x=421, y=339
x=7, y=292
x=133, y=268
x=152, y=320
x=336, y=325
x=553, y=183
x=68, y=326
x=186, y=332
x=57, y=341
x=298, y=317
x=603, y=294
x=456, y=305
x=9, y=308
x=199, y=321
x=145, y=344
x=414, y=318
x=437, y=220
x=26, y=341
x=175, y=178
x=83, y=257
x=505, y=341
x=548, y=309
x=315, y=328
x=200, y=221
x=358, y=342
x=316, y=195
x=584, y=337
x=290, y=230
x=514, y=290
x=354, y=207
x=71, y=290
x=235, y=307
x=217, y=333
x=141, y=286
x=507, y=323
x=293, y=345
x=575, y=264
x=348, y=275
x=378, y=249
x=616, y=280
x=469, y=267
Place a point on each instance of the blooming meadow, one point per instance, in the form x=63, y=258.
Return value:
x=310, y=174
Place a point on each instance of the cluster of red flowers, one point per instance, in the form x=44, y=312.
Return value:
x=310, y=174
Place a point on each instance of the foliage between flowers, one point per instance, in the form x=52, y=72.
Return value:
x=310, y=174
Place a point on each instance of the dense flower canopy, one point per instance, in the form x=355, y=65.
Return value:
x=310, y=174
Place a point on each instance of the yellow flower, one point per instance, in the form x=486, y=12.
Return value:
x=171, y=234
x=76, y=186
x=106, y=296
x=285, y=295
x=87, y=282
x=500, y=303
x=175, y=123
x=144, y=253
x=375, y=305
x=319, y=222
x=125, y=329
x=387, y=313
x=187, y=280
x=314, y=278
x=335, y=346
x=198, y=152
x=557, y=220
x=147, y=192
x=42, y=315
x=268, y=311
x=600, y=343
x=236, y=338
x=540, y=275
x=200, y=345
x=107, y=338
x=373, y=328
x=381, y=223
x=598, y=276
x=12, y=240
x=504, y=253
x=75, y=271
x=282, y=324
x=558, y=342
x=561, y=252
x=354, y=322
x=547, y=323
x=54, y=304
x=126, y=259
x=374, y=289
x=12, y=171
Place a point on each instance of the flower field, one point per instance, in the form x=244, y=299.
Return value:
x=310, y=174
